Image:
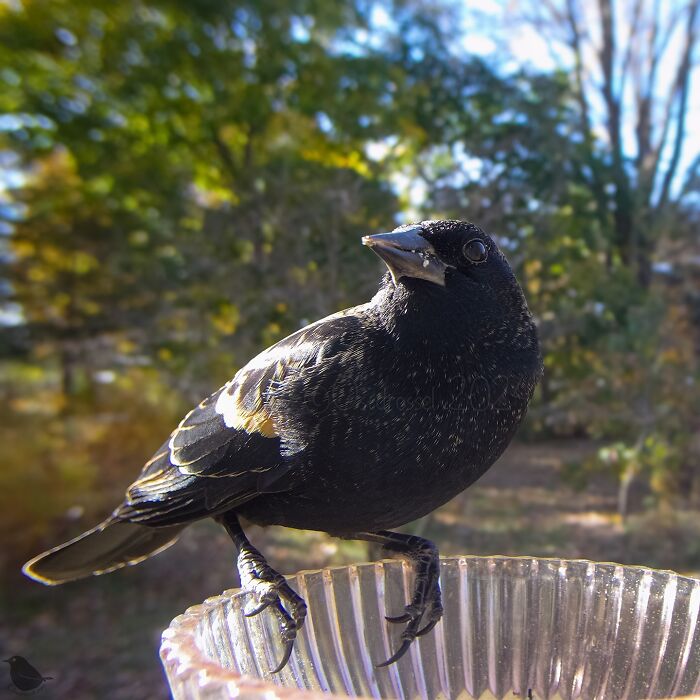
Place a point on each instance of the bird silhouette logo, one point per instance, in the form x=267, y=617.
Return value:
x=26, y=680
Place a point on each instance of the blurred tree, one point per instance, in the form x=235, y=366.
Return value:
x=632, y=65
x=171, y=168
x=181, y=194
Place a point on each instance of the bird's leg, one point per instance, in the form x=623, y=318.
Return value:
x=269, y=588
x=426, y=605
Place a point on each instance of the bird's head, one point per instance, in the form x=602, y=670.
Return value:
x=441, y=252
x=13, y=660
x=452, y=269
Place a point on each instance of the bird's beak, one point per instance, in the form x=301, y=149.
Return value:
x=407, y=254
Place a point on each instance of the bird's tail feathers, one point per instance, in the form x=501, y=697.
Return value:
x=109, y=546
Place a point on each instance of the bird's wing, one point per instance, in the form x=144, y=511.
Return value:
x=238, y=432
x=245, y=406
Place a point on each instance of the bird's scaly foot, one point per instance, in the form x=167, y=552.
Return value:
x=269, y=590
x=425, y=607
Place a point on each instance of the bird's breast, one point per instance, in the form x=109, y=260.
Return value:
x=392, y=443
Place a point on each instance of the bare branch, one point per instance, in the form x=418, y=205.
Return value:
x=654, y=157
x=692, y=179
x=655, y=152
x=606, y=57
x=644, y=92
x=682, y=83
x=630, y=47
x=546, y=18
x=575, y=42
x=670, y=29
x=554, y=11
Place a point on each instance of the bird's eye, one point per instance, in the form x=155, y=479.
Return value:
x=475, y=251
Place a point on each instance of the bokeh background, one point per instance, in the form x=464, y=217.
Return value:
x=184, y=183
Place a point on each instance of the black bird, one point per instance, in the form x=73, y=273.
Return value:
x=355, y=424
x=23, y=675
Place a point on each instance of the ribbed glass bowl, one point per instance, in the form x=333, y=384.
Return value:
x=540, y=628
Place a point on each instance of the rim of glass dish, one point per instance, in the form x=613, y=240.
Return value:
x=183, y=658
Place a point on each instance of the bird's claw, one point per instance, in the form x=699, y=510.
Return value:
x=288, y=647
x=397, y=655
x=427, y=603
x=411, y=611
x=413, y=615
x=435, y=618
x=289, y=626
x=291, y=618
x=253, y=610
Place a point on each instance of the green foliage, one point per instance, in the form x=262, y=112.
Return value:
x=177, y=167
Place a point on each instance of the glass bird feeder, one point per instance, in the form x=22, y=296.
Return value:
x=513, y=628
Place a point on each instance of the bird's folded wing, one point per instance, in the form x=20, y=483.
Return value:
x=246, y=405
x=240, y=433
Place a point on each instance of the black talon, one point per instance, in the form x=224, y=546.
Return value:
x=285, y=657
x=408, y=635
x=397, y=655
x=290, y=626
x=258, y=610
